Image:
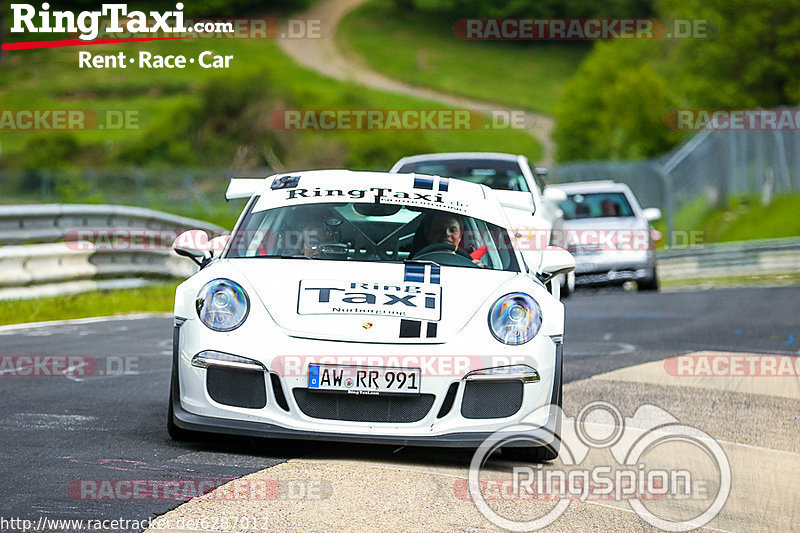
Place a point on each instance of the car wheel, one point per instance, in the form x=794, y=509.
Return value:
x=539, y=454
x=175, y=432
x=648, y=284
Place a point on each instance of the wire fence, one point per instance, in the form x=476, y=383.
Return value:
x=708, y=168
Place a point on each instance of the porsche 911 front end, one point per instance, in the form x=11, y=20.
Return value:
x=366, y=307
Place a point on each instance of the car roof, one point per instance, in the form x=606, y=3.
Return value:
x=591, y=186
x=443, y=156
x=326, y=186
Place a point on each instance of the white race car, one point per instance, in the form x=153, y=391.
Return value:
x=519, y=188
x=367, y=307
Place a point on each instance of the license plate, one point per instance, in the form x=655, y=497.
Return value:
x=364, y=379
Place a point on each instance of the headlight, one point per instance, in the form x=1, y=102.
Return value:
x=515, y=318
x=222, y=305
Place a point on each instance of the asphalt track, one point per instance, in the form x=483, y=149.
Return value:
x=56, y=431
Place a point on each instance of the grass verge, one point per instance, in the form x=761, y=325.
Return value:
x=172, y=105
x=730, y=281
x=745, y=218
x=158, y=298
x=422, y=50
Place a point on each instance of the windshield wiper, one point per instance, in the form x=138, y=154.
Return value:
x=284, y=256
x=420, y=262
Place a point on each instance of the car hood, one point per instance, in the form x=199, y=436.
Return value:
x=593, y=235
x=606, y=223
x=368, y=302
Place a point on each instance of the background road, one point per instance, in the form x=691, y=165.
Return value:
x=54, y=430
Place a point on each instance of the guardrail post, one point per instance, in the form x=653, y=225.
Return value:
x=669, y=205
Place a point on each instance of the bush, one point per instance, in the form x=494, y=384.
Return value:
x=615, y=105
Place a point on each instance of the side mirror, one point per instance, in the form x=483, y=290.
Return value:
x=652, y=214
x=218, y=244
x=555, y=261
x=554, y=195
x=194, y=245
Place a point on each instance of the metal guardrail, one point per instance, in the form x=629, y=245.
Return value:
x=52, y=222
x=88, y=246
x=734, y=259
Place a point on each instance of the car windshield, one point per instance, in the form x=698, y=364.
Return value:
x=596, y=205
x=372, y=232
x=495, y=174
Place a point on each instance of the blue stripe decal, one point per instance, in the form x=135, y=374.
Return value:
x=435, y=273
x=444, y=184
x=415, y=273
x=423, y=183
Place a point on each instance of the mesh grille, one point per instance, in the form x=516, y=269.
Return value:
x=239, y=388
x=363, y=408
x=491, y=399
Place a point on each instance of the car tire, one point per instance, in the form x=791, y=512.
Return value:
x=648, y=284
x=539, y=454
x=175, y=432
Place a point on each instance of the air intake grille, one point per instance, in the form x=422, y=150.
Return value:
x=277, y=388
x=363, y=408
x=239, y=388
x=491, y=399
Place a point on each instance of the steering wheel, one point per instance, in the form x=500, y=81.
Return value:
x=440, y=252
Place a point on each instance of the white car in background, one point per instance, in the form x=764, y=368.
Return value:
x=609, y=234
x=531, y=207
x=339, y=309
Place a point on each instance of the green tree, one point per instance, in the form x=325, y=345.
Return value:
x=752, y=58
x=614, y=106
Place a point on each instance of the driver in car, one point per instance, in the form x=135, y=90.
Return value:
x=444, y=228
x=311, y=237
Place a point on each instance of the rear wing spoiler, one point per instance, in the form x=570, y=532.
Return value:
x=243, y=187
x=515, y=200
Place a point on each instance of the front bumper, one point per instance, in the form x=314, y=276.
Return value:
x=613, y=267
x=272, y=422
